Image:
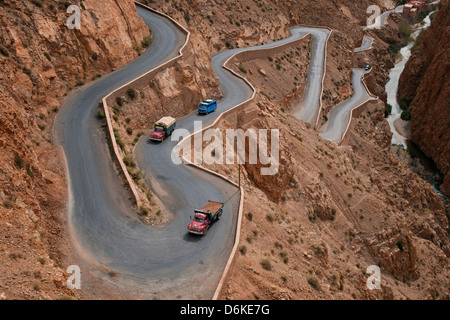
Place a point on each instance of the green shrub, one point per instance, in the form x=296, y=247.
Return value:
x=121, y=144
x=405, y=29
x=96, y=76
x=404, y=103
x=128, y=161
x=146, y=42
x=100, y=114
x=313, y=282
x=406, y=115
x=265, y=263
x=29, y=172
x=243, y=250
x=137, y=175
x=131, y=93
x=36, y=286
x=387, y=110
x=20, y=163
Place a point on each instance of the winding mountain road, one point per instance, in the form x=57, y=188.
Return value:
x=161, y=262
x=339, y=117
x=366, y=44
x=309, y=108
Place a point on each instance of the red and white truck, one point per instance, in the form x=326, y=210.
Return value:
x=163, y=129
x=204, y=217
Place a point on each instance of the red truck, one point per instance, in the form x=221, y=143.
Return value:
x=163, y=129
x=203, y=218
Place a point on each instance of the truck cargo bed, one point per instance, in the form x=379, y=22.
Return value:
x=212, y=206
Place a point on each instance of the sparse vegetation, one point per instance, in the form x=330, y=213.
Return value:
x=313, y=282
x=100, y=114
x=47, y=55
x=131, y=93
x=144, y=211
x=146, y=42
x=18, y=160
x=36, y=286
x=265, y=263
x=406, y=115
x=4, y=51
x=387, y=110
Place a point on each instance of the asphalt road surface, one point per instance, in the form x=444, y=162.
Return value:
x=309, y=108
x=367, y=42
x=160, y=262
x=339, y=117
x=152, y=262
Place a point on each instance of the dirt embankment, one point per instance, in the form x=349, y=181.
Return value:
x=42, y=61
x=426, y=82
x=311, y=230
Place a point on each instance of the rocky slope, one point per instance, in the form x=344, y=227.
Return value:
x=311, y=231
x=308, y=233
x=426, y=82
x=42, y=61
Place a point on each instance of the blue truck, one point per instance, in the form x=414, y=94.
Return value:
x=207, y=106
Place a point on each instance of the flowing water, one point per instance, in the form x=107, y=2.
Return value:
x=433, y=176
x=392, y=85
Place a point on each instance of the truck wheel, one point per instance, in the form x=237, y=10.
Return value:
x=219, y=215
x=205, y=231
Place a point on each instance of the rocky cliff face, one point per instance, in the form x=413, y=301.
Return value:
x=426, y=82
x=41, y=61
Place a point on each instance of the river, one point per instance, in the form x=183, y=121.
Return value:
x=392, y=85
x=432, y=174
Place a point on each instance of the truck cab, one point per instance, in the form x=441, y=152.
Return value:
x=163, y=128
x=207, y=106
x=199, y=223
